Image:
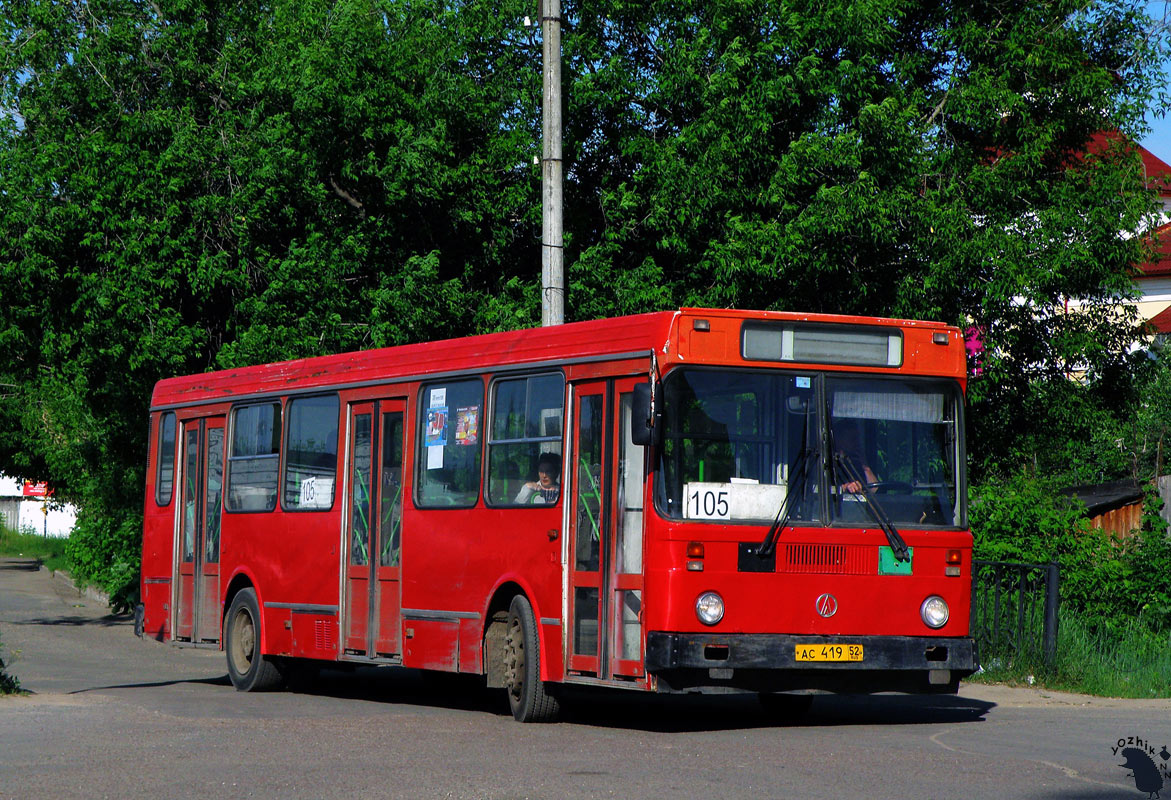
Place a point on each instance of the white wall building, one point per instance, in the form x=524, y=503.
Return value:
x=32, y=513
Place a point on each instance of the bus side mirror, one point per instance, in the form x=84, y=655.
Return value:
x=645, y=428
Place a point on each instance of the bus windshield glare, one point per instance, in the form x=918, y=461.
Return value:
x=734, y=442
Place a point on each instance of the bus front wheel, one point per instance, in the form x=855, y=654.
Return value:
x=249, y=670
x=527, y=694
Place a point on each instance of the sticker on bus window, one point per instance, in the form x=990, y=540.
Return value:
x=707, y=501
x=435, y=457
x=802, y=382
x=438, y=397
x=316, y=492
x=467, y=425
x=436, y=426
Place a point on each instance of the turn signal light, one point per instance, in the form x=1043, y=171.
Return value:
x=954, y=559
x=694, y=551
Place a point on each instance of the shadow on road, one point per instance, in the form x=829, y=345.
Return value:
x=669, y=714
x=598, y=708
x=108, y=621
x=652, y=713
x=23, y=564
x=1089, y=793
x=403, y=686
x=222, y=680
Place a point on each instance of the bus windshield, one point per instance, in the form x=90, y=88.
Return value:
x=734, y=443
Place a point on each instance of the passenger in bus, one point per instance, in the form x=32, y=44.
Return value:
x=547, y=487
x=848, y=444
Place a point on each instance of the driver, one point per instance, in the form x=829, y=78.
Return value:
x=848, y=444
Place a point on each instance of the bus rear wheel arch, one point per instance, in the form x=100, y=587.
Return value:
x=249, y=669
x=528, y=695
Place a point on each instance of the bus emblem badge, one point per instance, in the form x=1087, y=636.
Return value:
x=827, y=605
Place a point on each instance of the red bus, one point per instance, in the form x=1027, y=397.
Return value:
x=688, y=501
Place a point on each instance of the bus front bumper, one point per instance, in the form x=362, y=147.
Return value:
x=768, y=663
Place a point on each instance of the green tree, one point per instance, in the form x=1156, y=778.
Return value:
x=194, y=185
x=189, y=185
x=879, y=157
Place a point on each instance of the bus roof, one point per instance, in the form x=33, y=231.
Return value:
x=630, y=336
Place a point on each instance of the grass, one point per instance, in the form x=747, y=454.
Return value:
x=50, y=550
x=1129, y=660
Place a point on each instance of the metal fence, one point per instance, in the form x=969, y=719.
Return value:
x=1014, y=611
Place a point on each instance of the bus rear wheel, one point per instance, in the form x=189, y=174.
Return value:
x=527, y=695
x=249, y=670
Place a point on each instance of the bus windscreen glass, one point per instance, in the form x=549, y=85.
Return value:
x=899, y=437
x=738, y=443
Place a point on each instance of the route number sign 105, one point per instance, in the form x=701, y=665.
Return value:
x=707, y=501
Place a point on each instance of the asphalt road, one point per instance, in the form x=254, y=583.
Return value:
x=108, y=715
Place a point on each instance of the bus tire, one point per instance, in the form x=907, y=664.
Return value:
x=527, y=695
x=249, y=670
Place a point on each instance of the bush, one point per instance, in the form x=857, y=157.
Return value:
x=1025, y=519
x=105, y=551
x=1105, y=579
x=8, y=683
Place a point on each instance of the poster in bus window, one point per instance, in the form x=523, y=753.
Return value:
x=467, y=425
x=436, y=435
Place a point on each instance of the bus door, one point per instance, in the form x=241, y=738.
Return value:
x=606, y=526
x=197, y=606
x=374, y=498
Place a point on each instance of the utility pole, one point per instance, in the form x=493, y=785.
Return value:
x=552, y=231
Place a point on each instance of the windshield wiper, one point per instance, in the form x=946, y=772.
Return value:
x=800, y=473
x=897, y=545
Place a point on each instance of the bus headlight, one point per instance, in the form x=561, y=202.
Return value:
x=709, y=608
x=934, y=611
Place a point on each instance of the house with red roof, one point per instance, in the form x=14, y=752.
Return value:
x=1154, y=277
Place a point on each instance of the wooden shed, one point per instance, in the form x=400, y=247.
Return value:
x=1115, y=507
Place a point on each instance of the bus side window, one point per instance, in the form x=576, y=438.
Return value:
x=311, y=457
x=252, y=462
x=449, y=444
x=524, y=445
x=165, y=482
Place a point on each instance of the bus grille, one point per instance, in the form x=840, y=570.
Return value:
x=834, y=559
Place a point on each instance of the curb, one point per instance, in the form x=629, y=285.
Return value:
x=87, y=591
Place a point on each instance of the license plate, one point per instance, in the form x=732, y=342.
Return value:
x=829, y=652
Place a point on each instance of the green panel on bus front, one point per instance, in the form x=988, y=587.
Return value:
x=888, y=565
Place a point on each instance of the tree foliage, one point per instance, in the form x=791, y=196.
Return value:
x=203, y=185
x=903, y=158
x=188, y=185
